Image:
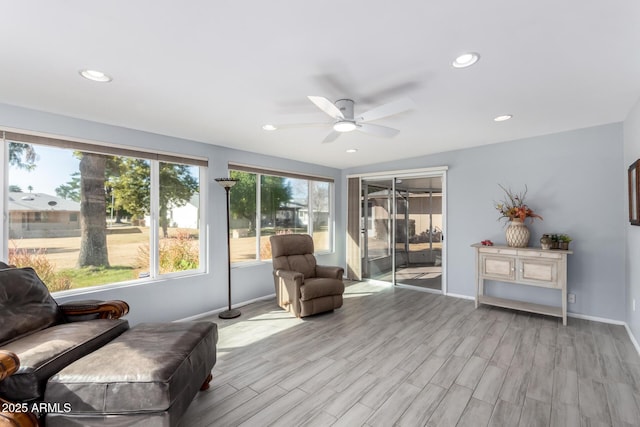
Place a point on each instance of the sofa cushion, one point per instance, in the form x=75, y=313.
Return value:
x=152, y=367
x=26, y=306
x=45, y=352
x=320, y=287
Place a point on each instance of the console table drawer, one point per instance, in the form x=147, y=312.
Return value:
x=501, y=268
x=539, y=272
x=501, y=251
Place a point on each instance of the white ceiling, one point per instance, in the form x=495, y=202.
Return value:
x=216, y=71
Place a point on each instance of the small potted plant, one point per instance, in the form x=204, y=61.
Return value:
x=563, y=241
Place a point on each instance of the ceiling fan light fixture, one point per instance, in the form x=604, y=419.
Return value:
x=344, y=126
x=466, y=60
x=96, y=76
x=269, y=127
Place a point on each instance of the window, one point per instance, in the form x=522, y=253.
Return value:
x=83, y=218
x=264, y=203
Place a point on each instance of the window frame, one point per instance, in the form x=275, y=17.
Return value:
x=259, y=172
x=154, y=158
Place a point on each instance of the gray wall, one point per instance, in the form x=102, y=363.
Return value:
x=178, y=298
x=575, y=182
x=631, y=154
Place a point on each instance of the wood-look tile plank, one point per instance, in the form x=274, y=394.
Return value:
x=535, y=414
x=564, y=415
x=275, y=410
x=302, y=412
x=449, y=371
x=423, y=373
x=472, y=372
x=565, y=387
x=320, y=419
x=476, y=414
x=249, y=408
x=342, y=401
x=422, y=407
x=394, y=406
x=381, y=390
x=489, y=386
x=514, y=388
x=451, y=407
x=505, y=414
x=622, y=403
x=593, y=400
x=540, y=384
x=544, y=356
x=355, y=416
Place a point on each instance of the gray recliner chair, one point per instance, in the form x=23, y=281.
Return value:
x=303, y=287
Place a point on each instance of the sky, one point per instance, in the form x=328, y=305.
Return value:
x=54, y=167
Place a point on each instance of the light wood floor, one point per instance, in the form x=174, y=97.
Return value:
x=408, y=358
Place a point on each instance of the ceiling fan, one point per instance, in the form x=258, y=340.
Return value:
x=342, y=111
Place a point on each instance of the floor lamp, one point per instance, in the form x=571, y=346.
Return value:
x=227, y=183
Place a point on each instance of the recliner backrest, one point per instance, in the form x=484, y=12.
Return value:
x=293, y=252
x=26, y=306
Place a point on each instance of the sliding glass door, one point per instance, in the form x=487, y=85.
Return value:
x=377, y=210
x=402, y=230
x=418, y=228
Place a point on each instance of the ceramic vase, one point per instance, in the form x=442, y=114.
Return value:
x=517, y=234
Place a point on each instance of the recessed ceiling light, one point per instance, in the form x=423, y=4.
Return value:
x=269, y=127
x=502, y=118
x=96, y=76
x=344, y=126
x=466, y=60
x=352, y=150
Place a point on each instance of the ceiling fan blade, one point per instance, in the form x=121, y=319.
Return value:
x=333, y=135
x=378, y=130
x=298, y=125
x=387, y=110
x=327, y=106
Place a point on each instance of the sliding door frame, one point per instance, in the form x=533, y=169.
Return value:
x=440, y=171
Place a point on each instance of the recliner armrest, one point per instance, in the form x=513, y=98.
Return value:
x=289, y=275
x=330, y=272
x=100, y=309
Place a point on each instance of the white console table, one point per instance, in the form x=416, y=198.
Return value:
x=526, y=266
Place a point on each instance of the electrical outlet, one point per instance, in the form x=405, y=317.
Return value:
x=571, y=298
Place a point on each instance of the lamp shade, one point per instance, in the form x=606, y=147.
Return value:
x=226, y=182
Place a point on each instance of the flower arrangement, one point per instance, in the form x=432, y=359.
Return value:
x=514, y=207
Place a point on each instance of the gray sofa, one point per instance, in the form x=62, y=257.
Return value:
x=41, y=340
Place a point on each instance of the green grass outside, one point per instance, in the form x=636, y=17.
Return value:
x=94, y=276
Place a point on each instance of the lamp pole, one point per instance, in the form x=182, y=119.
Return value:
x=227, y=183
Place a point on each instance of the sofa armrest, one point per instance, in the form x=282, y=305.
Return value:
x=99, y=309
x=9, y=363
x=329, y=272
x=14, y=414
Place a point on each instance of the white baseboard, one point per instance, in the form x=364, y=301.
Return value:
x=632, y=338
x=596, y=319
x=461, y=296
x=219, y=310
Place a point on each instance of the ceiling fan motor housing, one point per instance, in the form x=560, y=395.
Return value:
x=346, y=107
